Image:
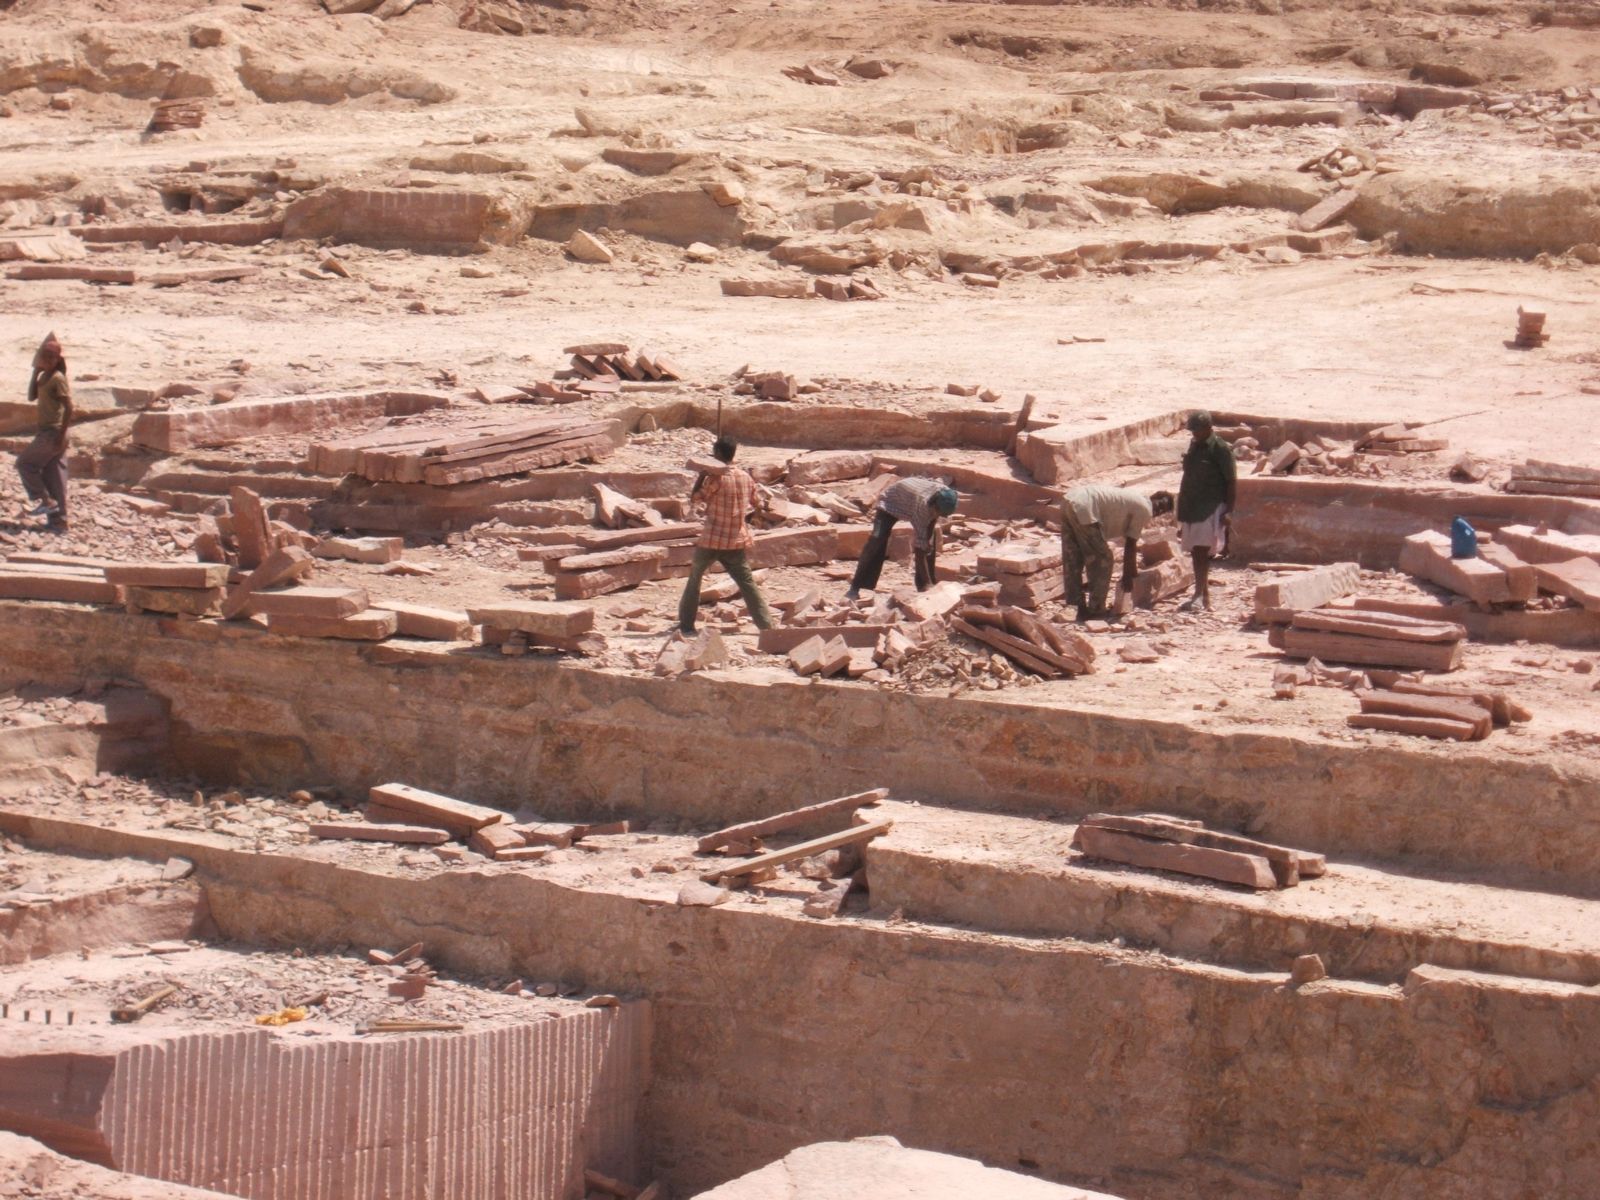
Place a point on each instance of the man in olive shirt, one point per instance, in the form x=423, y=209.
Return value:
x=1205, y=501
x=43, y=464
x=1091, y=515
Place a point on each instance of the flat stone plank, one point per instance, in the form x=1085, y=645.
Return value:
x=310, y=602
x=542, y=617
x=1576, y=579
x=66, y=587
x=169, y=575
x=789, y=820
x=458, y=816
x=422, y=621
x=776, y=858
x=363, y=831
x=1225, y=866
x=369, y=625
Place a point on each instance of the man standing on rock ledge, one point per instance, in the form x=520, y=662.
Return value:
x=43, y=464
x=729, y=498
x=1205, y=504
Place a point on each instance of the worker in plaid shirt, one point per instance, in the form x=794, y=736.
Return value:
x=728, y=499
x=919, y=502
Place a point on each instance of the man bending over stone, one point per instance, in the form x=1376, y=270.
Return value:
x=921, y=502
x=728, y=499
x=1090, y=517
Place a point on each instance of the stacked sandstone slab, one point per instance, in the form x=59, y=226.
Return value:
x=219, y=424
x=442, y=455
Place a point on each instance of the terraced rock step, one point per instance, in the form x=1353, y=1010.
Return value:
x=1019, y=875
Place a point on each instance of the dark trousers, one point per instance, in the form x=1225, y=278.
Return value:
x=737, y=566
x=1084, y=550
x=870, y=565
x=43, y=467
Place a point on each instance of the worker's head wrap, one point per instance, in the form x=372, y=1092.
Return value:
x=1198, y=421
x=945, y=501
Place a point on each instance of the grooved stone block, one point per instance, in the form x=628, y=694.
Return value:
x=363, y=831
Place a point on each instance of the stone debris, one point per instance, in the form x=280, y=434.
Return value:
x=176, y=114
x=813, y=74
x=1175, y=844
x=614, y=362
x=586, y=248
x=1033, y=643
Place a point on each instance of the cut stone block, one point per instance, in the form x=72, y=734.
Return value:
x=191, y=602
x=1576, y=579
x=1367, y=651
x=361, y=550
x=421, y=621
x=309, y=602
x=46, y=583
x=537, y=617
x=1279, y=600
x=1427, y=556
x=169, y=575
x=282, y=565
x=370, y=625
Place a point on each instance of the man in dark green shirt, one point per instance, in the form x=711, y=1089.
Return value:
x=1205, y=501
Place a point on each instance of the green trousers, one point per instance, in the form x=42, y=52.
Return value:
x=737, y=566
x=1084, y=550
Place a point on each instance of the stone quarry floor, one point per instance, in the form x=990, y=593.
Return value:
x=1377, y=330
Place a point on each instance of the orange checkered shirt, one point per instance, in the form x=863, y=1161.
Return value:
x=728, y=499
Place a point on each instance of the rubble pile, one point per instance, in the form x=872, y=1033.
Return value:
x=1568, y=118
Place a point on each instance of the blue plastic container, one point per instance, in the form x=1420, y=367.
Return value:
x=1463, y=539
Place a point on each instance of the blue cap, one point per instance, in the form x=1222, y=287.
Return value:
x=945, y=500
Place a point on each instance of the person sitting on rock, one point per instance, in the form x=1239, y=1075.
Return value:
x=43, y=462
x=1090, y=517
x=1205, y=504
x=919, y=501
x=728, y=499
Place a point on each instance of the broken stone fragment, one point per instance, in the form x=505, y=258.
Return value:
x=585, y=247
